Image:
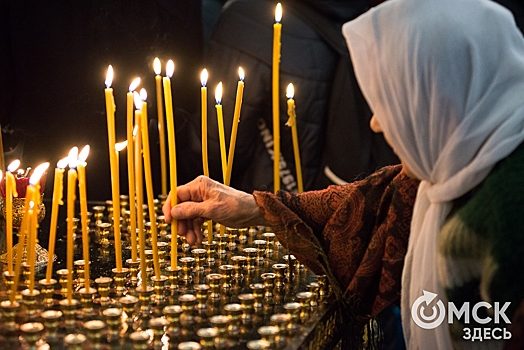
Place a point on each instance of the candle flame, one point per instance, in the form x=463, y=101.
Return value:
x=109, y=76
x=120, y=146
x=134, y=84
x=157, y=67
x=138, y=100
x=170, y=68
x=290, y=91
x=62, y=163
x=73, y=157
x=143, y=94
x=22, y=172
x=203, y=77
x=218, y=93
x=241, y=73
x=31, y=205
x=278, y=13
x=82, y=156
x=14, y=165
x=38, y=172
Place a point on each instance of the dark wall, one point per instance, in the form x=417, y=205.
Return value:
x=53, y=61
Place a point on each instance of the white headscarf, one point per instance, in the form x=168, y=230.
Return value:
x=445, y=79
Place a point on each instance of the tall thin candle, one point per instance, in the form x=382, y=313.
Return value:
x=234, y=130
x=131, y=166
x=58, y=192
x=71, y=197
x=140, y=193
x=205, y=161
x=220, y=120
x=277, y=29
x=149, y=183
x=161, y=125
x=83, y=213
x=168, y=100
x=115, y=185
x=292, y=122
x=10, y=192
x=24, y=228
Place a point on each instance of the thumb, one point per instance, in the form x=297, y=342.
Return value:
x=189, y=210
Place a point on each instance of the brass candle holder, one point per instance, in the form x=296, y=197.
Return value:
x=187, y=319
x=94, y=333
x=313, y=288
x=75, y=341
x=144, y=298
x=227, y=273
x=260, y=245
x=207, y=338
x=86, y=299
x=214, y=280
x=149, y=261
x=104, y=287
x=172, y=276
x=258, y=344
x=189, y=345
x=187, y=267
x=79, y=281
x=293, y=310
x=62, y=280
x=103, y=233
x=159, y=285
x=32, y=331
x=199, y=255
x=120, y=281
x=9, y=311
x=9, y=279
x=172, y=314
x=211, y=249
x=269, y=284
x=220, y=323
x=239, y=262
x=270, y=242
x=247, y=301
x=113, y=318
x=133, y=271
x=323, y=289
x=47, y=289
x=158, y=325
x=281, y=321
x=242, y=235
x=258, y=293
x=234, y=312
x=304, y=298
x=291, y=263
x=25, y=275
x=232, y=234
x=202, y=291
x=162, y=252
x=98, y=213
x=31, y=307
x=222, y=240
x=140, y=340
x=50, y=319
x=251, y=255
x=69, y=312
x=280, y=275
x=269, y=334
x=128, y=303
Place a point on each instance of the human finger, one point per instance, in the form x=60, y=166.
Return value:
x=166, y=209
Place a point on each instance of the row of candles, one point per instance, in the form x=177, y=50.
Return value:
x=139, y=167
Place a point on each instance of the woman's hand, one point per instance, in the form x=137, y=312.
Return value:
x=205, y=199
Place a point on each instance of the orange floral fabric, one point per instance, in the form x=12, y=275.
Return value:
x=357, y=234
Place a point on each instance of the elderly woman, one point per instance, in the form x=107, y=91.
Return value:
x=445, y=80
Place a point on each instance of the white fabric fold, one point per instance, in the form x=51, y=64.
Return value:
x=445, y=79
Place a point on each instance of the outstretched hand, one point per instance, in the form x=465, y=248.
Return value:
x=205, y=199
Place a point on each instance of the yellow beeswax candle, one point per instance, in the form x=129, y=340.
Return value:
x=234, y=129
x=131, y=167
x=203, y=98
x=149, y=183
x=140, y=192
x=58, y=192
x=161, y=125
x=220, y=120
x=83, y=213
x=292, y=122
x=168, y=100
x=71, y=197
x=24, y=228
x=34, y=181
x=115, y=184
x=10, y=192
x=277, y=29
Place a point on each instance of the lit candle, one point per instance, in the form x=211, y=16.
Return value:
x=277, y=29
x=24, y=228
x=236, y=119
x=168, y=100
x=83, y=212
x=140, y=191
x=161, y=125
x=58, y=191
x=10, y=192
x=220, y=120
x=131, y=166
x=115, y=185
x=203, y=95
x=205, y=162
x=34, y=193
x=149, y=182
x=71, y=197
x=292, y=122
